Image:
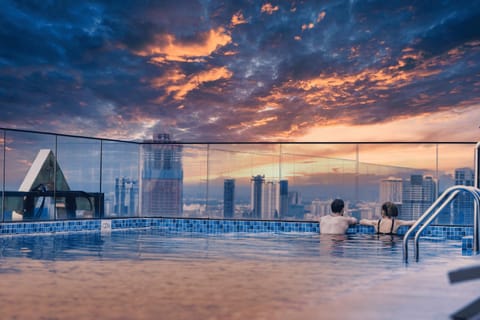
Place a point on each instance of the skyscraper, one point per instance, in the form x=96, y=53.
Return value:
x=162, y=177
x=257, y=190
x=295, y=207
x=283, y=209
x=391, y=190
x=462, y=212
x=271, y=201
x=126, y=197
x=228, y=198
x=418, y=195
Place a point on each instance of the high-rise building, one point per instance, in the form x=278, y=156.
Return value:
x=257, y=192
x=162, y=177
x=463, y=207
x=271, y=203
x=283, y=208
x=295, y=207
x=391, y=190
x=294, y=197
x=268, y=199
x=320, y=208
x=418, y=194
x=228, y=198
x=126, y=197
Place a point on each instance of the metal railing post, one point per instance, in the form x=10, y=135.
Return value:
x=477, y=166
x=447, y=197
x=429, y=220
x=476, y=218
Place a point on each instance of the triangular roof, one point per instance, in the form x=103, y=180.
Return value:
x=42, y=171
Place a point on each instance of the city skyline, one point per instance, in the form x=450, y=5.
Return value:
x=299, y=169
x=242, y=70
x=159, y=190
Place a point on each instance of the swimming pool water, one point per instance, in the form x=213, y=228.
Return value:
x=153, y=274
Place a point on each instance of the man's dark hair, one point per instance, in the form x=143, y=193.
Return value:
x=337, y=206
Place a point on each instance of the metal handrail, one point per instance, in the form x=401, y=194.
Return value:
x=446, y=198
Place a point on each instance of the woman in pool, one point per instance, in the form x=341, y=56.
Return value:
x=388, y=224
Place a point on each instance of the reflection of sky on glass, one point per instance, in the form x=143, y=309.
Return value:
x=80, y=162
x=21, y=150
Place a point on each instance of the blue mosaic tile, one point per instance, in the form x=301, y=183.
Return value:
x=220, y=226
x=467, y=243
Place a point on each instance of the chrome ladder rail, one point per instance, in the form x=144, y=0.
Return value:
x=424, y=221
x=449, y=195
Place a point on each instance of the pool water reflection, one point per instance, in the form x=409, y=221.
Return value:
x=151, y=274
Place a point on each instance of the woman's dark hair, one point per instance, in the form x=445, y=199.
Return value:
x=337, y=205
x=390, y=209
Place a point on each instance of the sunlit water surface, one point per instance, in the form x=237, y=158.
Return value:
x=150, y=274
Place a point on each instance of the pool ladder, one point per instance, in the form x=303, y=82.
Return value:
x=445, y=199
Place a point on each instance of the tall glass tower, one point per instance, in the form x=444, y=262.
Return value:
x=463, y=204
x=418, y=194
x=257, y=195
x=126, y=197
x=283, y=211
x=228, y=198
x=161, y=186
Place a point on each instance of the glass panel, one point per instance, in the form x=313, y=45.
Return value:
x=27, y=185
x=195, y=181
x=316, y=174
x=456, y=167
x=405, y=174
x=2, y=170
x=161, y=186
x=120, y=179
x=80, y=196
x=239, y=172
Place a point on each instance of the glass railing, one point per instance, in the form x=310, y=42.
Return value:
x=51, y=177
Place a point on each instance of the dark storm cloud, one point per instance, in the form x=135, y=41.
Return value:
x=240, y=70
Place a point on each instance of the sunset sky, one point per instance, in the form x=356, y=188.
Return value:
x=243, y=70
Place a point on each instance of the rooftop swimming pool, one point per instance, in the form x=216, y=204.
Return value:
x=151, y=273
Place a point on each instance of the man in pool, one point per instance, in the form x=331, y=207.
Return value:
x=336, y=223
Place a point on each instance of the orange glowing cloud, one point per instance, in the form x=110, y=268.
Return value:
x=337, y=89
x=238, y=18
x=423, y=127
x=185, y=85
x=171, y=76
x=268, y=8
x=262, y=122
x=321, y=16
x=307, y=26
x=254, y=123
x=168, y=48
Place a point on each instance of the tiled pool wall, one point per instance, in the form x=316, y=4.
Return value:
x=463, y=233
x=210, y=226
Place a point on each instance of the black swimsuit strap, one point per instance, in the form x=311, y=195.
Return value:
x=391, y=228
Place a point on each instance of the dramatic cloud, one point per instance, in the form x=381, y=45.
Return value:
x=168, y=48
x=242, y=70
